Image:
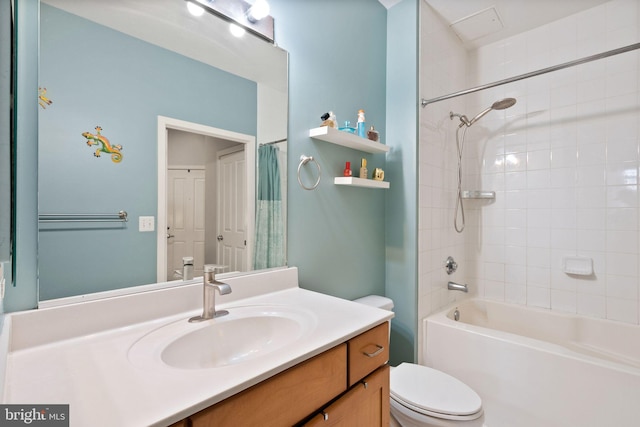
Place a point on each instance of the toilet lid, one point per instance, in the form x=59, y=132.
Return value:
x=432, y=391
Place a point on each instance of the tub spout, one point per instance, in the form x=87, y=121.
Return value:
x=457, y=287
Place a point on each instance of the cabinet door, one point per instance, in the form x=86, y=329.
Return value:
x=284, y=399
x=366, y=404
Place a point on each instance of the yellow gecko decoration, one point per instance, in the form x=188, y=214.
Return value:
x=104, y=146
x=42, y=97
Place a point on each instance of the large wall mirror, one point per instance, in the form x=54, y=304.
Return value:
x=166, y=116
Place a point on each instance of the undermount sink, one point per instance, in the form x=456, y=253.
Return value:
x=244, y=334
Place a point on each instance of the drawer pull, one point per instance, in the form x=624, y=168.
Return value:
x=375, y=353
x=325, y=415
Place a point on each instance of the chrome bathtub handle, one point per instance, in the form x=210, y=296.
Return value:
x=375, y=353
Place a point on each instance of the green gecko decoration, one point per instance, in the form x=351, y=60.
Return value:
x=42, y=97
x=104, y=145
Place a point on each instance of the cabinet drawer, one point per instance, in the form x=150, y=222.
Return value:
x=367, y=352
x=284, y=399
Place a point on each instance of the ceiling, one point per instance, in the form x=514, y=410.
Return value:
x=516, y=15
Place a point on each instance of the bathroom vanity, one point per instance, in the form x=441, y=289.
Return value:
x=282, y=356
x=346, y=385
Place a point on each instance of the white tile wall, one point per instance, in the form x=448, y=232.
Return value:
x=564, y=162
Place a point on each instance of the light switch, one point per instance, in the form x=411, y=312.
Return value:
x=146, y=223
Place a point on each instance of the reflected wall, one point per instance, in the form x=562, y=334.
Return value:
x=100, y=77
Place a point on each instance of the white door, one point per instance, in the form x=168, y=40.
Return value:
x=232, y=212
x=185, y=219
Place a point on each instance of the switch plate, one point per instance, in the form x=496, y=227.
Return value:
x=146, y=223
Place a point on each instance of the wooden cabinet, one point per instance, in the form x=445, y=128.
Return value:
x=347, y=385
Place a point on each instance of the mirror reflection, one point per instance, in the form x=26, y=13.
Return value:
x=165, y=116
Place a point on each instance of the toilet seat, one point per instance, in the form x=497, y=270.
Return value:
x=434, y=393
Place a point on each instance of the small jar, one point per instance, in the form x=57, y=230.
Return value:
x=373, y=134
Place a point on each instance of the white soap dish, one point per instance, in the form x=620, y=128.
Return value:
x=581, y=266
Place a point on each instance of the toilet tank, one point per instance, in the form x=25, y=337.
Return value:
x=376, y=301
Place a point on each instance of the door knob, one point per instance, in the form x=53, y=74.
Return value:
x=220, y=238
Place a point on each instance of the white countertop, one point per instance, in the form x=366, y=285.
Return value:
x=78, y=355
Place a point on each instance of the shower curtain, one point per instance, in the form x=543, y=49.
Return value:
x=269, y=248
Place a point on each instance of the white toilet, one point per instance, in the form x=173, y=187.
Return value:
x=425, y=397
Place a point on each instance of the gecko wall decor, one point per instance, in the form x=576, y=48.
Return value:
x=104, y=146
x=42, y=97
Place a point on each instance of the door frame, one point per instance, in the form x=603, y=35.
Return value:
x=166, y=123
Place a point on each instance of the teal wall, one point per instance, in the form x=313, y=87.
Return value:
x=98, y=76
x=350, y=242
x=402, y=163
x=337, y=50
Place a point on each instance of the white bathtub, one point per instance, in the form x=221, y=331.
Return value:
x=537, y=368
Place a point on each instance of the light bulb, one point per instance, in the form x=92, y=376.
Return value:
x=259, y=10
x=194, y=9
x=236, y=30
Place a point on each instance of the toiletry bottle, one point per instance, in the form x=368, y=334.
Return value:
x=363, y=169
x=361, y=124
x=333, y=119
x=347, y=169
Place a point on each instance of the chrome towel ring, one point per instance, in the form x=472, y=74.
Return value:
x=303, y=161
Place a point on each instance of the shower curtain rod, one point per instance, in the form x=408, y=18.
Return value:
x=425, y=102
x=273, y=142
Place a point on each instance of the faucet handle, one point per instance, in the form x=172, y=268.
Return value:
x=211, y=268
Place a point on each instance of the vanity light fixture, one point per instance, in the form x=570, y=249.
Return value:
x=236, y=30
x=195, y=9
x=253, y=17
x=258, y=11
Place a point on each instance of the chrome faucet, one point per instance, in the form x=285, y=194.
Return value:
x=457, y=287
x=209, y=287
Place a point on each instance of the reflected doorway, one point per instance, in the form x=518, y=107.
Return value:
x=186, y=218
x=207, y=203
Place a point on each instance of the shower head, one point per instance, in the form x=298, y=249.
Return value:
x=498, y=105
x=503, y=104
